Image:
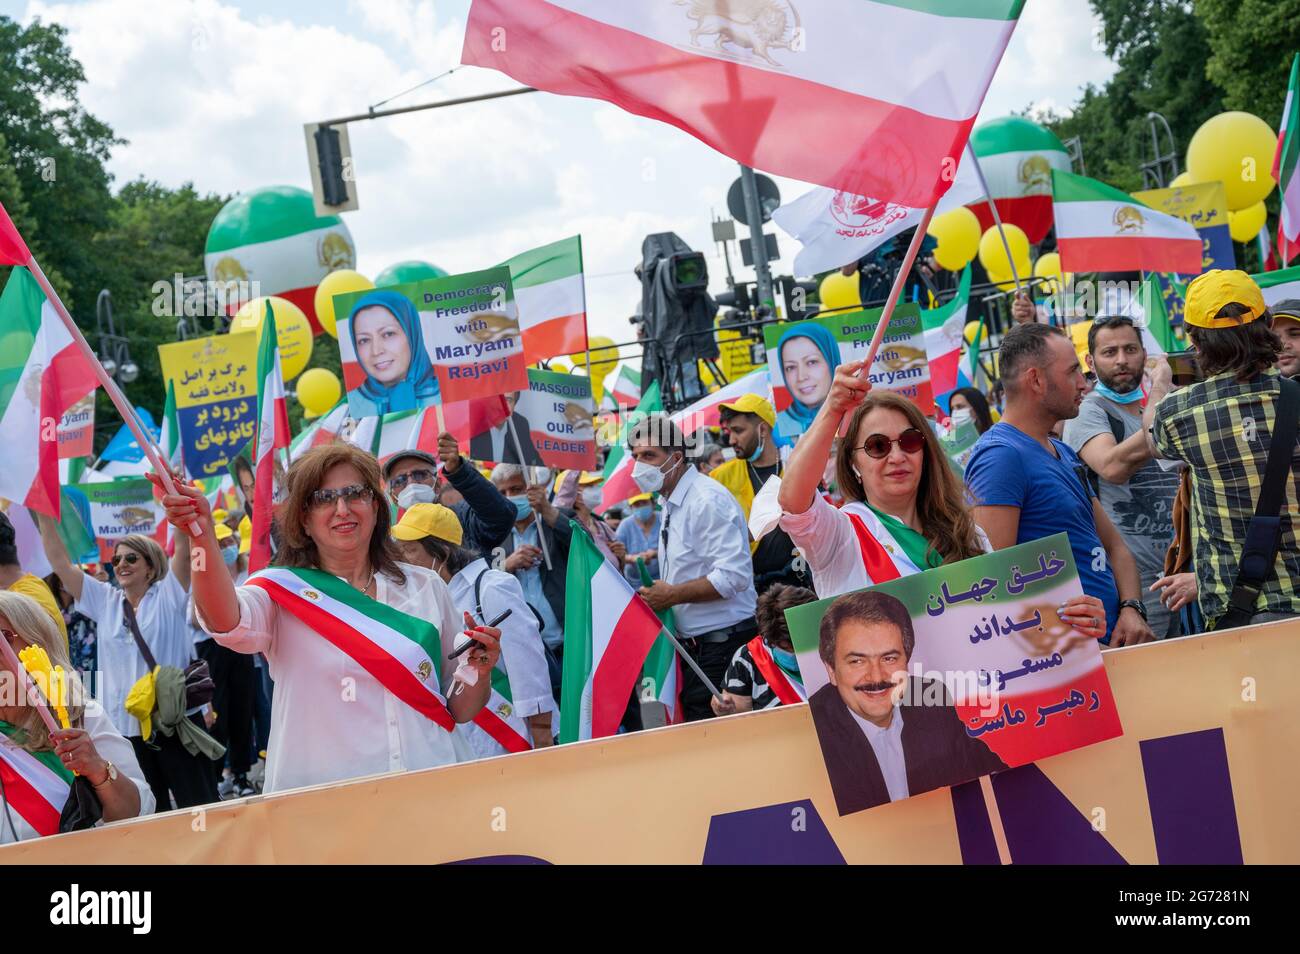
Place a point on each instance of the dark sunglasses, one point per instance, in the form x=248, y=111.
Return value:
x=131, y=558
x=420, y=475
x=350, y=495
x=878, y=445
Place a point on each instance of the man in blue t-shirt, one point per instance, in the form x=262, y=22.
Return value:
x=1028, y=485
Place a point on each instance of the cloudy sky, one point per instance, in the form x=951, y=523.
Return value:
x=217, y=92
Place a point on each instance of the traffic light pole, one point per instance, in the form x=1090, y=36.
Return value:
x=758, y=241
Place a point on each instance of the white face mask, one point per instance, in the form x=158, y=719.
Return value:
x=649, y=477
x=961, y=416
x=414, y=493
x=591, y=497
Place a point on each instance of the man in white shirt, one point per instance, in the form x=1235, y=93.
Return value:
x=704, y=564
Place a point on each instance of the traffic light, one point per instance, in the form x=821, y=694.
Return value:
x=329, y=155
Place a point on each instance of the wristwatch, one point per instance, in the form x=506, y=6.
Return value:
x=112, y=774
x=1137, y=605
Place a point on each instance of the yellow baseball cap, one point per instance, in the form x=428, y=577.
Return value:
x=224, y=532
x=1218, y=287
x=641, y=498
x=245, y=536
x=429, y=520
x=590, y=477
x=753, y=404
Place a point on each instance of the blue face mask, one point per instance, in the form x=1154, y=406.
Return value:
x=785, y=660
x=230, y=555
x=643, y=512
x=758, y=451
x=522, y=507
x=1131, y=397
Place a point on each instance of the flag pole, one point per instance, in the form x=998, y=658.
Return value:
x=913, y=249
x=997, y=218
x=138, y=431
x=690, y=661
x=519, y=450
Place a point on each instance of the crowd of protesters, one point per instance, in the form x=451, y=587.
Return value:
x=1180, y=504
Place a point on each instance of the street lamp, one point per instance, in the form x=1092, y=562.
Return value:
x=114, y=350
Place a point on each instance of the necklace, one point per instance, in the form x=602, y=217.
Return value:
x=360, y=589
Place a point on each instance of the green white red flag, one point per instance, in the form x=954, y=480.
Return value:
x=36, y=785
x=758, y=80
x=551, y=299
x=272, y=434
x=1285, y=161
x=42, y=374
x=944, y=327
x=1101, y=229
x=627, y=389
x=608, y=631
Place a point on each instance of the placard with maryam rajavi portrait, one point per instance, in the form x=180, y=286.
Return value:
x=802, y=357
x=938, y=678
x=435, y=341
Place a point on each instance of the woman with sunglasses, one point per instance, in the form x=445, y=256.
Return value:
x=37, y=765
x=904, y=512
x=155, y=593
x=358, y=643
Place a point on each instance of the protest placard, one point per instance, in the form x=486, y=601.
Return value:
x=802, y=357
x=216, y=397
x=77, y=429
x=941, y=677
x=434, y=341
x=554, y=421
x=114, y=509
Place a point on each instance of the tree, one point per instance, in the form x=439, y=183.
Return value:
x=1252, y=44
x=57, y=153
x=1160, y=47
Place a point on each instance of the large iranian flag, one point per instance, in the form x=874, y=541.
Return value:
x=272, y=434
x=759, y=80
x=42, y=375
x=551, y=299
x=1284, y=167
x=36, y=785
x=1017, y=157
x=608, y=631
x=1101, y=229
x=944, y=328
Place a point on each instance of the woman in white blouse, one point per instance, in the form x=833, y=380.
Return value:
x=157, y=592
x=430, y=535
x=35, y=764
x=905, y=511
x=331, y=719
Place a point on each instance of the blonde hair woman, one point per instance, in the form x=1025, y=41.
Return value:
x=36, y=765
x=156, y=595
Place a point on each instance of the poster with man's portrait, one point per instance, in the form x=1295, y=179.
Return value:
x=430, y=342
x=938, y=678
x=802, y=357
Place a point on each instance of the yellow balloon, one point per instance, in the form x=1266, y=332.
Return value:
x=993, y=254
x=338, y=282
x=319, y=390
x=1183, y=179
x=968, y=333
x=1236, y=149
x=604, y=358
x=958, y=235
x=1049, y=266
x=1003, y=280
x=559, y=367
x=1245, y=225
x=292, y=330
x=839, y=292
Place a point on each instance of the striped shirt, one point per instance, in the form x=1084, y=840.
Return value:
x=746, y=679
x=1221, y=428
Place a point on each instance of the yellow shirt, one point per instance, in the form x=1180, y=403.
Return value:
x=39, y=590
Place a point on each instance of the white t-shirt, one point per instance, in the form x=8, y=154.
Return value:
x=331, y=720
x=111, y=746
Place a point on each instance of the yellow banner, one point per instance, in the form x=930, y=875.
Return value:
x=1201, y=204
x=216, y=397
x=1204, y=773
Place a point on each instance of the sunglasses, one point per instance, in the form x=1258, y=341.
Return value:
x=420, y=475
x=878, y=445
x=131, y=559
x=350, y=495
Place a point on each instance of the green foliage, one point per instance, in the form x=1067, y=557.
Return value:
x=1252, y=44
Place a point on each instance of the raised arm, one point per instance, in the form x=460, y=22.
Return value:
x=1116, y=463
x=1162, y=379
x=489, y=516
x=803, y=471
x=70, y=575
x=211, y=585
